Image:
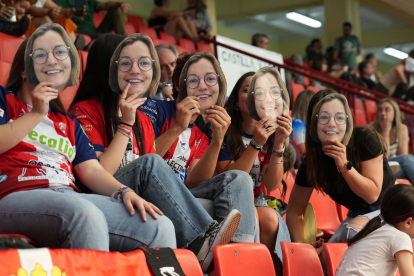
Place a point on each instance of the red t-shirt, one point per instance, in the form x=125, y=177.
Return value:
x=90, y=114
x=45, y=156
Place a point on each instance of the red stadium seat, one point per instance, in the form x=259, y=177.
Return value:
x=148, y=31
x=4, y=72
x=136, y=21
x=83, y=262
x=296, y=89
x=67, y=95
x=8, y=46
x=403, y=181
x=326, y=213
x=129, y=28
x=360, y=117
x=247, y=259
x=98, y=17
x=88, y=39
x=342, y=212
x=204, y=47
x=158, y=41
x=371, y=107
x=187, y=44
x=83, y=56
x=306, y=81
x=334, y=253
x=300, y=259
x=169, y=38
x=313, y=88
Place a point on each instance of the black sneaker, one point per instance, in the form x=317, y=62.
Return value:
x=18, y=28
x=216, y=234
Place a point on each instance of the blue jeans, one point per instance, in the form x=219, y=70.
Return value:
x=152, y=178
x=231, y=190
x=63, y=218
x=406, y=162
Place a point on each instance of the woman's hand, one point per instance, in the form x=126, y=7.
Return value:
x=264, y=129
x=41, y=95
x=131, y=199
x=220, y=122
x=318, y=245
x=53, y=12
x=128, y=106
x=284, y=129
x=337, y=151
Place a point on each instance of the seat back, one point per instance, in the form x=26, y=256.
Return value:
x=248, y=259
x=148, y=31
x=204, y=47
x=83, y=56
x=136, y=21
x=169, y=38
x=326, y=213
x=187, y=44
x=4, y=72
x=8, y=46
x=296, y=89
x=98, y=17
x=334, y=253
x=67, y=95
x=313, y=88
x=342, y=212
x=300, y=259
x=129, y=28
x=371, y=108
x=84, y=262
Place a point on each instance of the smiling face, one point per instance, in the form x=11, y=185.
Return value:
x=242, y=103
x=386, y=113
x=53, y=70
x=139, y=79
x=268, y=106
x=208, y=95
x=331, y=130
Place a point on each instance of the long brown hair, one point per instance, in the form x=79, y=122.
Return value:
x=300, y=108
x=395, y=123
x=182, y=94
x=397, y=205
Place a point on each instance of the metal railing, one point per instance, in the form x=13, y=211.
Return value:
x=350, y=90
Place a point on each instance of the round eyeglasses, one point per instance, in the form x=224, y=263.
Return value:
x=274, y=92
x=125, y=63
x=60, y=52
x=324, y=117
x=193, y=81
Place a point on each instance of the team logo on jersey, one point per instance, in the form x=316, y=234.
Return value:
x=3, y=177
x=1, y=112
x=22, y=112
x=197, y=143
x=62, y=127
x=151, y=103
x=182, y=145
x=261, y=159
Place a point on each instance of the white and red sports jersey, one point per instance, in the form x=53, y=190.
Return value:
x=190, y=145
x=45, y=156
x=90, y=115
x=261, y=160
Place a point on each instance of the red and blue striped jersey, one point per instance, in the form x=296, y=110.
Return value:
x=46, y=155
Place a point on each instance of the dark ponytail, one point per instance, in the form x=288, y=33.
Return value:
x=397, y=205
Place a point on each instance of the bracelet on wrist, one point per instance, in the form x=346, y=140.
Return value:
x=255, y=145
x=278, y=153
x=276, y=162
x=118, y=195
x=125, y=124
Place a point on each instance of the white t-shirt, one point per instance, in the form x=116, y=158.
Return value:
x=409, y=67
x=40, y=3
x=374, y=254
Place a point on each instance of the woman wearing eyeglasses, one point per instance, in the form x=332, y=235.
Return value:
x=187, y=150
x=255, y=143
x=348, y=164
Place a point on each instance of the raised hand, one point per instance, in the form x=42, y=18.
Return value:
x=337, y=151
x=128, y=106
x=41, y=95
x=284, y=129
x=187, y=111
x=220, y=122
x=264, y=129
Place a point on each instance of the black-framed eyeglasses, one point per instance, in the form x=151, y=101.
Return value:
x=144, y=63
x=260, y=94
x=324, y=117
x=210, y=79
x=40, y=56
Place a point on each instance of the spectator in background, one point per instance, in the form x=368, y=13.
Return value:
x=198, y=14
x=112, y=21
x=347, y=47
x=299, y=118
x=366, y=70
x=260, y=40
x=8, y=12
x=320, y=64
x=167, y=56
x=371, y=58
x=314, y=50
x=171, y=22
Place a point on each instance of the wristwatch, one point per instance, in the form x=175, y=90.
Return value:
x=255, y=145
x=278, y=153
x=347, y=165
x=166, y=83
